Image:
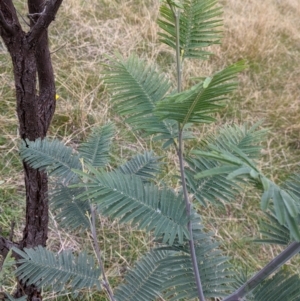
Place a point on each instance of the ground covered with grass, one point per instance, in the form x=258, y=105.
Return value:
x=264, y=33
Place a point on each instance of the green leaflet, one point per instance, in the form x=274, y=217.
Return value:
x=197, y=104
x=199, y=27
x=127, y=197
x=42, y=267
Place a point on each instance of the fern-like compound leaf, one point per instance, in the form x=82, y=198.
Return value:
x=199, y=27
x=282, y=286
x=273, y=232
x=217, y=187
x=145, y=280
x=238, y=160
x=197, y=104
x=293, y=185
x=143, y=204
x=135, y=88
x=95, y=150
x=44, y=268
x=145, y=166
x=215, y=271
x=53, y=156
x=71, y=212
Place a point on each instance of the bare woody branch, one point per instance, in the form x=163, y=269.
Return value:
x=8, y=17
x=45, y=17
x=7, y=27
x=271, y=267
x=46, y=90
x=6, y=245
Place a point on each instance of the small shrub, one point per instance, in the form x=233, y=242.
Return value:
x=185, y=261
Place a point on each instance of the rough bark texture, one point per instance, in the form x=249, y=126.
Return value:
x=35, y=104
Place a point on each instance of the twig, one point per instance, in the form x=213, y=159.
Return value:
x=4, y=24
x=44, y=20
x=6, y=245
x=272, y=266
x=59, y=48
x=31, y=16
x=178, y=52
x=20, y=15
x=12, y=227
x=105, y=282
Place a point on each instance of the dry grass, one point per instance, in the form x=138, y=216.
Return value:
x=265, y=33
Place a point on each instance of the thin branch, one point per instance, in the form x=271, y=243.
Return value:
x=272, y=266
x=12, y=228
x=20, y=15
x=8, y=17
x=44, y=19
x=178, y=58
x=105, y=282
x=4, y=24
x=6, y=245
x=59, y=48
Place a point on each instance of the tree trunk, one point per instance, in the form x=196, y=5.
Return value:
x=35, y=107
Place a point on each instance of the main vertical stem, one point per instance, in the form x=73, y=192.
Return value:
x=188, y=212
x=105, y=282
x=201, y=297
x=35, y=108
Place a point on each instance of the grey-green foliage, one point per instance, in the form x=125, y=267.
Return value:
x=167, y=272
x=146, y=280
x=273, y=232
x=215, y=172
x=53, y=155
x=292, y=185
x=137, y=88
x=283, y=286
x=72, y=213
x=44, y=268
x=199, y=27
x=11, y=298
x=145, y=166
x=237, y=163
x=60, y=161
x=6, y=266
x=218, y=188
x=128, y=198
x=96, y=150
x=197, y=104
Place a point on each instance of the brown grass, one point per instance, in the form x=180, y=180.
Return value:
x=264, y=33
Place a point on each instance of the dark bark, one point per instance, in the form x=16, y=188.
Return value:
x=5, y=246
x=35, y=104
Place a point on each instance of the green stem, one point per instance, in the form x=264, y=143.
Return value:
x=105, y=282
x=272, y=266
x=176, y=14
x=188, y=212
x=178, y=55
